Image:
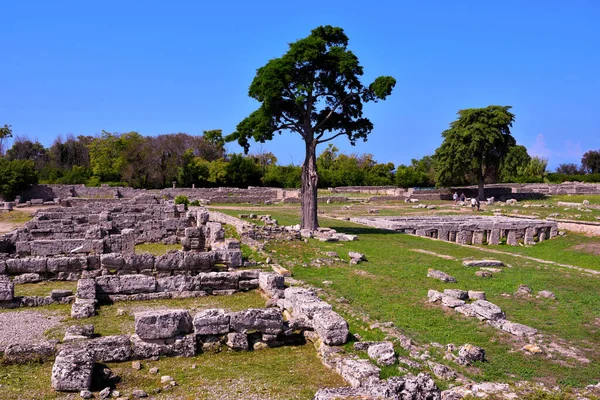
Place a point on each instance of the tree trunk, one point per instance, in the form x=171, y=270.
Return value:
x=481, y=196
x=308, y=193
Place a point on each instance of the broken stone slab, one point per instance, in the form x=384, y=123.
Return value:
x=30, y=277
x=211, y=322
x=466, y=310
x=357, y=256
x=342, y=393
x=264, y=320
x=513, y=328
x=179, y=346
x=271, y=283
x=136, y=283
x=78, y=332
x=29, y=352
x=162, y=324
x=483, y=274
x=546, y=294
x=60, y=294
x=356, y=371
x=442, y=276
x=471, y=353
x=456, y=293
x=434, y=296
x=331, y=327
x=524, y=290
x=382, y=353
x=442, y=371
x=7, y=288
x=487, y=310
x=452, y=302
x=237, y=341
x=83, y=308
x=72, y=370
x=109, y=348
x=483, y=263
x=280, y=270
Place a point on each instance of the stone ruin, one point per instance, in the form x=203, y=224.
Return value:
x=97, y=241
x=468, y=229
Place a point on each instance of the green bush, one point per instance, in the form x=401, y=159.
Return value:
x=194, y=203
x=181, y=199
x=15, y=176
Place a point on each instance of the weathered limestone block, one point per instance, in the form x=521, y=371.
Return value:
x=176, y=283
x=60, y=295
x=494, y=237
x=356, y=371
x=529, y=236
x=26, y=265
x=476, y=295
x=162, y=324
x=264, y=320
x=513, y=328
x=7, y=290
x=443, y=234
x=109, y=348
x=219, y=281
x=248, y=274
x=66, y=264
x=457, y=294
x=382, y=353
x=2, y=267
x=237, y=341
x=452, y=302
x=511, y=238
x=138, y=261
x=231, y=258
x=127, y=241
x=169, y=261
x=72, y=370
x=471, y=353
x=478, y=237
x=214, y=232
x=108, y=284
x=228, y=244
x=203, y=261
x=86, y=288
x=271, y=283
x=487, y=310
x=180, y=346
x=331, y=327
x=30, y=352
x=342, y=393
x=83, y=308
x=111, y=261
x=248, y=284
x=211, y=322
x=442, y=276
x=138, y=283
x=433, y=295
x=78, y=332
x=483, y=263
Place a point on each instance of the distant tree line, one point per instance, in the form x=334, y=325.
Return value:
x=153, y=162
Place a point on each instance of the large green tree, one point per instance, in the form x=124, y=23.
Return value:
x=15, y=175
x=314, y=91
x=476, y=144
x=591, y=162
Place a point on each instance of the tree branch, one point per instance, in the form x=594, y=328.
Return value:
x=331, y=138
x=339, y=103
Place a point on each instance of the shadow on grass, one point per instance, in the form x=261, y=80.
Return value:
x=363, y=231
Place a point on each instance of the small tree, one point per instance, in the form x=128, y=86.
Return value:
x=15, y=176
x=476, y=144
x=5, y=134
x=569, y=169
x=591, y=162
x=313, y=90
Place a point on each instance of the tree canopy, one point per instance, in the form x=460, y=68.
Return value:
x=314, y=90
x=591, y=162
x=476, y=144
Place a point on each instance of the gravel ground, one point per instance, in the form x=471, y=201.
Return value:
x=24, y=327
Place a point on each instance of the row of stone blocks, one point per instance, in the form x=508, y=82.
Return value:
x=176, y=333
x=229, y=255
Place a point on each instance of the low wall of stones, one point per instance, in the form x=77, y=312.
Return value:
x=468, y=230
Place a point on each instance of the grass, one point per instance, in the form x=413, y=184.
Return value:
x=291, y=372
x=392, y=286
x=43, y=288
x=15, y=216
x=157, y=249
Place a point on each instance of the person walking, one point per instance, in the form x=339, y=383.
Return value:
x=455, y=198
x=473, y=203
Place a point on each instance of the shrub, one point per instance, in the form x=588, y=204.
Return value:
x=181, y=199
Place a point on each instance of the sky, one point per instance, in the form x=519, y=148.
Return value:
x=80, y=67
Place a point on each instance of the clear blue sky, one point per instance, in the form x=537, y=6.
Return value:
x=185, y=66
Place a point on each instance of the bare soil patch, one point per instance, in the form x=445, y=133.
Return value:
x=591, y=248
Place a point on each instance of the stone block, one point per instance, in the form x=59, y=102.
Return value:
x=83, y=308
x=66, y=264
x=16, y=266
x=219, y=281
x=29, y=352
x=111, y=261
x=211, y=322
x=271, y=283
x=231, y=258
x=382, y=353
x=138, y=283
x=108, y=284
x=264, y=320
x=27, y=278
x=138, y=261
x=487, y=310
x=237, y=341
x=162, y=324
x=356, y=371
x=331, y=327
x=6, y=288
x=180, y=346
x=248, y=284
x=169, y=261
x=72, y=370
x=442, y=276
x=203, y=261
x=176, y=283
x=86, y=288
x=110, y=348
